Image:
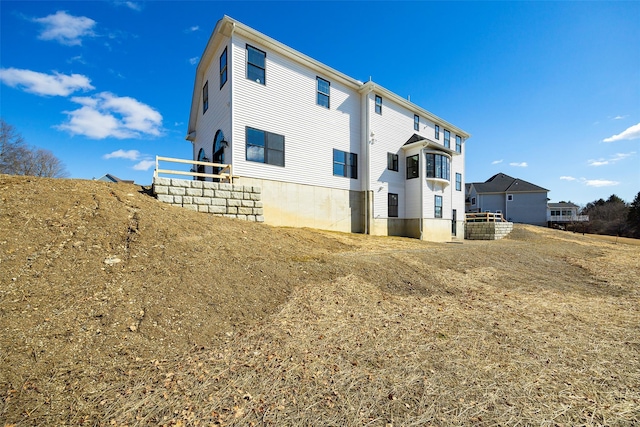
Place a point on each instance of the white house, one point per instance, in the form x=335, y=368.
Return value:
x=329, y=152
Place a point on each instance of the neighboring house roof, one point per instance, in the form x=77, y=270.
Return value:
x=562, y=205
x=503, y=183
x=112, y=178
x=227, y=26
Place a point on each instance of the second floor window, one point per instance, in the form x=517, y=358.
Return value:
x=447, y=139
x=392, y=162
x=205, y=97
x=416, y=122
x=437, y=132
x=413, y=167
x=378, y=104
x=437, y=166
x=223, y=68
x=458, y=144
x=256, y=64
x=323, y=92
x=265, y=147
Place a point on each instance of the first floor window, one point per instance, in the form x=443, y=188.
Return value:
x=458, y=144
x=256, y=64
x=378, y=104
x=437, y=132
x=438, y=166
x=345, y=164
x=392, y=162
x=447, y=138
x=265, y=147
x=413, y=167
x=438, y=207
x=458, y=181
x=416, y=122
x=205, y=97
x=323, y=92
x=393, y=205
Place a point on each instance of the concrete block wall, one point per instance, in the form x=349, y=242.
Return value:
x=221, y=199
x=487, y=230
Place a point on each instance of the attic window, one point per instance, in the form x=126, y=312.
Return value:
x=205, y=97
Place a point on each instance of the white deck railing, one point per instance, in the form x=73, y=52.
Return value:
x=568, y=218
x=222, y=175
x=484, y=217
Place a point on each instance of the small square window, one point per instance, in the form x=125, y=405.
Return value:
x=256, y=65
x=323, y=94
x=392, y=205
x=223, y=68
x=205, y=97
x=392, y=162
x=416, y=122
x=447, y=139
x=413, y=167
x=437, y=132
x=509, y=197
x=378, y=104
x=438, y=207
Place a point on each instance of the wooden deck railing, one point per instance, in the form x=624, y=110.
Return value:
x=484, y=217
x=222, y=175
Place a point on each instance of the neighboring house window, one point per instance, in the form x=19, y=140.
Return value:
x=447, y=138
x=378, y=104
x=345, y=164
x=438, y=166
x=437, y=132
x=256, y=64
x=416, y=122
x=458, y=181
x=458, y=144
x=223, y=68
x=265, y=147
x=473, y=201
x=413, y=167
x=393, y=205
x=392, y=162
x=205, y=97
x=323, y=92
x=438, y=207
x=509, y=197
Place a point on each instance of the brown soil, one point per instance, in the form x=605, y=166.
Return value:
x=118, y=310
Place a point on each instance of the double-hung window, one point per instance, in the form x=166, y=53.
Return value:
x=323, y=97
x=458, y=144
x=458, y=181
x=265, y=147
x=438, y=166
x=438, y=207
x=447, y=138
x=413, y=167
x=392, y=162
x=205, y=97
x=392, y=205
x=256, y=64
x=378, y=104
x=416, y=122
x=223, y=68
x=437, y=132
x=345, y=164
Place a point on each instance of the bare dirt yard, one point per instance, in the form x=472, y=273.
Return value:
x=118, y=310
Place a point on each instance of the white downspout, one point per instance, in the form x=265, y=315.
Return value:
x=367, y=186
x=420, y=162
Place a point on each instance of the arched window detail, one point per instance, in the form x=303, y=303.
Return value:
x=218, y=150
x=200, y=168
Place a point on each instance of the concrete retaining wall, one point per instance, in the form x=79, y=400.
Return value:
x=487, y=230
x=221, y=199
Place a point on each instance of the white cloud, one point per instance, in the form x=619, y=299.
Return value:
x=568, y=178
x=66, y=29
x=615, y=158
x=194, y=60
x=630, y=133
x=144, y=165
x=497, y=162
x=108, y=116
x=45, y=84
x=599, y=162
x=122, y=154
x=133, y=5
x=620, y=117
x=600, y=183
x=519, y=165
x=192, y=29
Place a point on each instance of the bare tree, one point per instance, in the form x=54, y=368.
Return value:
x=17, y=158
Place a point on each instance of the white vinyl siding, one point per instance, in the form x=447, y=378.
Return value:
x=289, y=103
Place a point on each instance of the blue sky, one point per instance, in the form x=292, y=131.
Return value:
x=550, y=91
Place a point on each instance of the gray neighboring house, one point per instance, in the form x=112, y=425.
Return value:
x=516, y=199
x=112, y=178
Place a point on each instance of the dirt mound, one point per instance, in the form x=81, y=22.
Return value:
x=117, y=309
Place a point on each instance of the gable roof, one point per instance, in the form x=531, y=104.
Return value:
x=227, y=26
x=503, y=183
x=112, y=178
x=562, y=205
